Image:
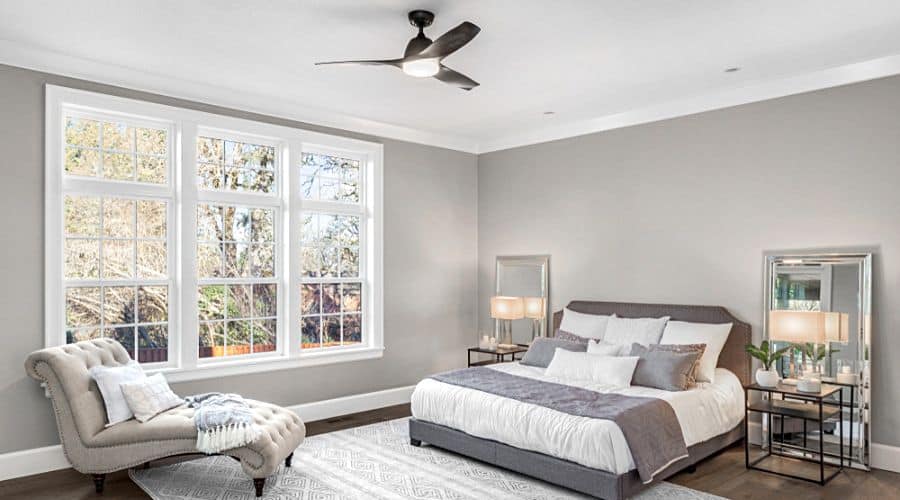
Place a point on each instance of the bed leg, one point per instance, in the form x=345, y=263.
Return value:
x=99, y=480
x=287, y=461
x=690, y=469
x=415, y=442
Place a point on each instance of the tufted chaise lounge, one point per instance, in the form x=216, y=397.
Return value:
x=94, y=449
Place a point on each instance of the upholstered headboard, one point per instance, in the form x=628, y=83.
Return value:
x=733, y=356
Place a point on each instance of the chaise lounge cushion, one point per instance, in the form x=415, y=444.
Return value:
x=91, y=448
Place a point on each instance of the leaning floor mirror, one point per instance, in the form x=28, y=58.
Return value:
x=838, y=289
x=524, y=281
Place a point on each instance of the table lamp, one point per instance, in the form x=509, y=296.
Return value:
x=535, y=310
x=506, y=309
x=797, y=327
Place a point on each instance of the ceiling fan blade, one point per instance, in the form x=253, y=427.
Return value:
x=455, y=78
x=383, y=62
x=450, y=41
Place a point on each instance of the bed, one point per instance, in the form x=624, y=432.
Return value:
x=587, y=455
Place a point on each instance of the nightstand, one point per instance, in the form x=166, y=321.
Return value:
x=809, y=407
x=499, y=354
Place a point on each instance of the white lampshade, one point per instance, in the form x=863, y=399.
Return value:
x=507, y=307
x=797, y=326
x=837, y=327
x=534, y=307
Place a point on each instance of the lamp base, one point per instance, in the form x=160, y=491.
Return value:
x=507, y=346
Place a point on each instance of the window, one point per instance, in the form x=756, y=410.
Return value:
x=208, y=245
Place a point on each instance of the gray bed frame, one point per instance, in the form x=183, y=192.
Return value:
x=595, y=482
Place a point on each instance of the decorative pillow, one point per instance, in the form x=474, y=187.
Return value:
x=542, y=350
x=644, y=331
x=701, y=348
x=571, y=337
x=581, y=366
x=666, y=369
x=149, y=397
x=592, y=326
x=604, y=348
x=108, y=379
x=713, y=335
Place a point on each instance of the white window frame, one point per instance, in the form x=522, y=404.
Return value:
x=184, y=194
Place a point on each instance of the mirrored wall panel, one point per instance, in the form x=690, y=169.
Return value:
x=818, y=308
x=524, y=277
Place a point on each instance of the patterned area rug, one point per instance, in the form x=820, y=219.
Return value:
x=371, y=462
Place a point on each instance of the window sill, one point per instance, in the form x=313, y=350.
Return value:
x=267, y=364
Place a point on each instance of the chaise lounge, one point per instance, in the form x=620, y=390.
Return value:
x=94, y=449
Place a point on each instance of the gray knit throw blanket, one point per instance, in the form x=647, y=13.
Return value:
x=223, y=421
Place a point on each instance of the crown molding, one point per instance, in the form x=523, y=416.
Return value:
x=16, y=54
x=24, y=56
x=761, y=90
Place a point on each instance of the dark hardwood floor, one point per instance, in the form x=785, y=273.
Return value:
x=723, y=474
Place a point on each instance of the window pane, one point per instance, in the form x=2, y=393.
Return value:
x=264, y=335
x=153, y=304
x=118, y=136
x=329, y=178
x=151, y=259
x=311, y=261
x=151, y=169
x=350, y=262
x=311, y=332
x=83, y=162
x=118, y=305
x=153, y=344
x=209, y=223
x=351, y=298
x=123, y=335
x=212, y=339
x=82, y=132
x=118, y=218
x=82, y=258
x=80, y=334
x=237, y=223
x=151, y=219
x=83, y=306
x=352, y=325
x=331, y=331
x=237, y=338
x=151, y=141
x=82, y=216
x=262, y=261
x=240, y=301
x=236, y=260
x=235, y=166
x=265, y=300
x=118, y=166
x=209, y=260
x=262, y=225
x=310, y=299
x=330, y=261
x=118, y=259
x=211, y=302
x=331, y=299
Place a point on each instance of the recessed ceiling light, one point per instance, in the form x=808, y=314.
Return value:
x=548, y=113
x=732, y=70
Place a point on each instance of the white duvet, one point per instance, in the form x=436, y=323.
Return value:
x=704, y=412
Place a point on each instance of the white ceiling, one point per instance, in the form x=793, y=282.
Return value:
x=585, y=60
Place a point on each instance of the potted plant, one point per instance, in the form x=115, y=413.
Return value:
x=766, y=376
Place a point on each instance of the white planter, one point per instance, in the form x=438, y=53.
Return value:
x=767, y=378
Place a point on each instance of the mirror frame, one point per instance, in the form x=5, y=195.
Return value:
x=541, y=261
x=860, y=457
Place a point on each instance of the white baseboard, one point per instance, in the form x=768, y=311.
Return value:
x=320, y=410
x=49, y=458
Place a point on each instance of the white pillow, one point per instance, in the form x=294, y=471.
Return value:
x=591, y=326
x=108, y=379
x=581, y=366
x=149, y=397
x=713, y=335
x=644, y=331
x=604, y=348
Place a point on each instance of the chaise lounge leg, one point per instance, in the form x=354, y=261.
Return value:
x=287, y=461
x=259, y=484
x=415, y=442
x=98, y=482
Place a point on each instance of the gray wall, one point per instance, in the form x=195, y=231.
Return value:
x=430, y=218
x=681, y=211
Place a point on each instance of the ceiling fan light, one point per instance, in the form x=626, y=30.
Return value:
x=422, y=68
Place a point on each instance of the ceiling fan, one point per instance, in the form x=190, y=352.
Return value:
x=423, y=56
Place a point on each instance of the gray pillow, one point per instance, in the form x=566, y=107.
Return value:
x=571, y=337
x=542, y=349
x=664, y=369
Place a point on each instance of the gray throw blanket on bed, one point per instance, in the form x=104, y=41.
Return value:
x=649, y=424
x=223, y=421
